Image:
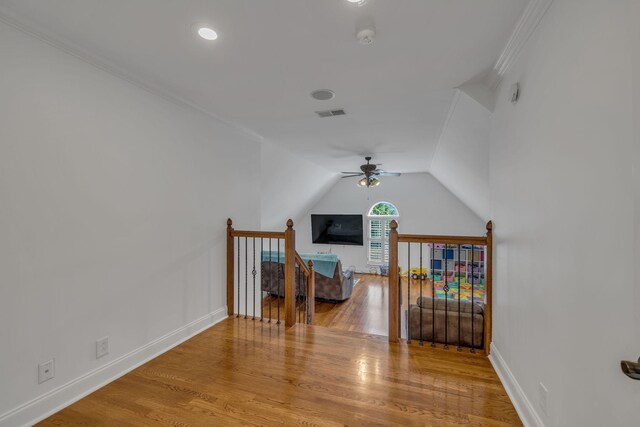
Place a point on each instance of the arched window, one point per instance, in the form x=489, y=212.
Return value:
x=379, y=224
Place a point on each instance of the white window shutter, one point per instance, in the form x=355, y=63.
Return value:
x=375, y=251
x=378, y=246
x=375, y=229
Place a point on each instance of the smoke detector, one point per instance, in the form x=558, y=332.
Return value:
x=323, y=94
x=366, y=36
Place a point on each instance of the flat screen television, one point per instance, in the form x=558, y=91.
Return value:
x=337, y=229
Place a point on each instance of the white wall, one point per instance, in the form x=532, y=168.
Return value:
x=562, y=200
x=461, y=161
x=636, y=157
x=425, y=207
x=290, y=185
x=112, y=216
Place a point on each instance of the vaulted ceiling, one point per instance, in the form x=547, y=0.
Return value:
x=399, y=93
x=271, y=54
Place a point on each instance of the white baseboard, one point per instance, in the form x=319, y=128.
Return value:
x=53, y=401
x=527, y=413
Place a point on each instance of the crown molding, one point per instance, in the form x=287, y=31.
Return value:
x=525, y=27
x=122, y=74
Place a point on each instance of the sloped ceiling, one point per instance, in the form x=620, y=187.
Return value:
x=461, y=161
x=271, y=54
x=290, y=186
x=257, y=77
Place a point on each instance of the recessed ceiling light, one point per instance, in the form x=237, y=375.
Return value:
x=323, y=94
x=357, y=2
x=207, y=33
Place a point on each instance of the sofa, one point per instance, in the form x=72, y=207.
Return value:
x=434, y=310
x=336, y=288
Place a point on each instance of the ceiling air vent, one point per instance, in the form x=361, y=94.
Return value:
x=331, y=113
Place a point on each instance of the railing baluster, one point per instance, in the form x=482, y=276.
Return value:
x=433, y=296
x=246, y=277
x=298, y=294
x=278, y=281
x=445, y=288
x=238, y=308
x=473, y=258
x=270, y=296
x=408, y=328
x=254, y=273
x=306, y=298
x=420, y=284
x=458, y=272
x=262, y=277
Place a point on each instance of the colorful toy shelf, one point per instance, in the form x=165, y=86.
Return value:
x=463, y=264
x=457, y=273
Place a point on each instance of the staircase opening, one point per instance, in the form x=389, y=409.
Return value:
x=437, y=289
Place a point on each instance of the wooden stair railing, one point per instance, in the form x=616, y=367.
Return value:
x=310, y=298
x=395, y=302
x=291, y=257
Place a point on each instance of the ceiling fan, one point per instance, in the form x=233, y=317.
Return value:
x=370, y=173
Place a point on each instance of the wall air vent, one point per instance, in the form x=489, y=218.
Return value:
x=331, y=113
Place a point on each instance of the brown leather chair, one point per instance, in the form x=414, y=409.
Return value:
x=336, y=288
x=434, y=311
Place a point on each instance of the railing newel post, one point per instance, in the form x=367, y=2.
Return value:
x=289, y=275
x=394, y=301
x=230, y=267
x=488, y=280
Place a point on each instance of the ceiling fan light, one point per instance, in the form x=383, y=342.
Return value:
x=374, y=182
x=362, y=182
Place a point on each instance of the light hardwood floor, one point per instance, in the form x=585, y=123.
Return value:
x=367, y=310
x=245, y=372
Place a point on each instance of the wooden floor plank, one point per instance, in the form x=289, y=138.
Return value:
x=366, y=310
x=244, y=372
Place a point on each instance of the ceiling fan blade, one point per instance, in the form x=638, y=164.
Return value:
x=383, y=173
x=351, y=176
x=352, y=173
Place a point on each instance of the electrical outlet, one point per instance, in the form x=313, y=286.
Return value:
x=46, y=371
x=544, y=398
x=102, y=347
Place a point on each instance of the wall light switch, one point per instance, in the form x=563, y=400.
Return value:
x=46, y=371
x=102, y=347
